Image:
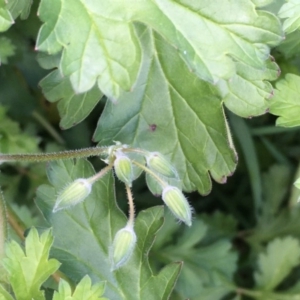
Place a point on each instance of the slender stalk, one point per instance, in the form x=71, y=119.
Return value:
x=135, y=150
x=147, y=170
x=100, y=174
x=40, y=157
x=131, y=206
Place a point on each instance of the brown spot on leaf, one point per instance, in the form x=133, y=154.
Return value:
x=152, y=127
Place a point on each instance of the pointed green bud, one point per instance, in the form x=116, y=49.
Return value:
x=158, y=163
x=123, y=168
x=177, y=203
x=73, y=194
x=123, y=246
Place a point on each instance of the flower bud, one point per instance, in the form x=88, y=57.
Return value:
x=73, y=194
x=177, y=203
x=123, y=169
x=158, y=163
x=123, y=246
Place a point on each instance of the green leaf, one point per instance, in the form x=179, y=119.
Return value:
x=275, y=186
x=248, y=92
x=281, y=256
x=209, y=264
x=287, y=222
x=12, y=139
x=47, y=61
x=175, y=113
x=219, y=226
x=73, y=108
x=244, y=34
x=7, y=49
x=107, y=52
x=286, y=101
x=261, y=3
x=95, y=222
x=27, y=271
x=291, y=45
x=6, y=19
x=19, y=8
x=291, y=12
x=218, y=289
x=84, y=290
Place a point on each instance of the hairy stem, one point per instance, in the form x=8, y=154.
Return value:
x=100, y=174
x=153, y=174
x=40, y=157
x=131, y=205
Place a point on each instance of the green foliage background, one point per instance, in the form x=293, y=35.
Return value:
x=185, y=78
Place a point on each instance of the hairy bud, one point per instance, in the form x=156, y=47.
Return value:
x=158, y=163
x=123, y=246
x=73, y=194
x=123, y=169
x=177, y=203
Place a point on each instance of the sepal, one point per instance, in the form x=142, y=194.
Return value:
x=177, y=203
x=123, y=246
x=72, y=194
x=158, y=163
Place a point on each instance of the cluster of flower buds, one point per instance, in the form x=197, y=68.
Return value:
x=128, y=163
x=160, y=173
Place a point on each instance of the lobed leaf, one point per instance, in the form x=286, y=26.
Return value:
x=281, y=256
x=286, y=223
x=28, y=271
x=275, y=186
x=72, y=107
x=209, y=264
x=19, y=8
x=94, y=223
x=6, y=19
x=107, y=51
x=291, y=12
x=83, y=291
x=175, y=113
x=248, y=92
x=290, y=47
x=286, y=101
x=224, y=39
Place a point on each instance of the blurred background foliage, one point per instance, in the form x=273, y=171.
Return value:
x=239, y=229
